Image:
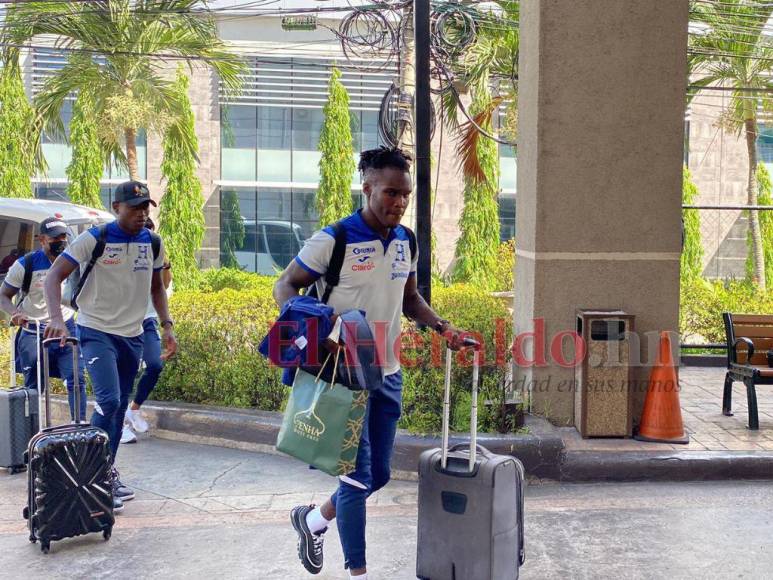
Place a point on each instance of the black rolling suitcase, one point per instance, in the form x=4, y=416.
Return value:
x=70, y=490
x=18, y=418
x=470, y=506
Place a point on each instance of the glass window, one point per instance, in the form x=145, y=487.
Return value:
x=765, y=143
x=274, y=144
x=305, y=211
x=508, y=168
x=238, y=228
x=239, y=138
x=307, y=126
x=506, y=217
x=370, y=138
x=281, y=242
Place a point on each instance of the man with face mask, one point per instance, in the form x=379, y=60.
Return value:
x=32, y=307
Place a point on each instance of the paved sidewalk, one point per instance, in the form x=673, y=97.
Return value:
x=205, y=512
x=709, y=429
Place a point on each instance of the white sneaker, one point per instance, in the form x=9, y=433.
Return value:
x=136, y=420
x=128, y=436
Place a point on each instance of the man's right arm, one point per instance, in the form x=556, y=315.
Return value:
x=306, y=268
x=7, y=293
x=11, y=287
x=291, y=282
x=58, y=273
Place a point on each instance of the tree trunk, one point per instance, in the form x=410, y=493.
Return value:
x=758, y=256
x=131, y=153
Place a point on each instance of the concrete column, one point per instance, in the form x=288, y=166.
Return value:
x=602, y=98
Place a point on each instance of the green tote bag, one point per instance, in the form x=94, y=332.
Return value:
x=322, y=424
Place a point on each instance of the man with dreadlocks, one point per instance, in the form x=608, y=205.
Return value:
x=379, y=277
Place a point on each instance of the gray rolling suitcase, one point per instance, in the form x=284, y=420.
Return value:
x=18, y=418
x=470, y=506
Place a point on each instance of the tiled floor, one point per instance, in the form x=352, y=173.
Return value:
x=701, y=401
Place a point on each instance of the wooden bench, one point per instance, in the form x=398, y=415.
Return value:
x=753, y=333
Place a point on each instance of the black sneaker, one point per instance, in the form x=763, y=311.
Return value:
x=309, y=545
x=119, y=489
x=117, y=505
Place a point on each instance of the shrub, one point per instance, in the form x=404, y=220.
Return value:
x=502, y=276
x=472, y=309
x=703, y=302
x=217, y=362
x=217, y=279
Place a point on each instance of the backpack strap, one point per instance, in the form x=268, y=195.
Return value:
x=96, y=253
x=333, y=273
x=411, y=241
x=27, y=280
x=155, y=244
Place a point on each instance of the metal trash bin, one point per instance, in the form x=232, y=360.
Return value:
x=602, y=396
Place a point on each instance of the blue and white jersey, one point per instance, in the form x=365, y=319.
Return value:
x=373, y=275
x=34, y=303
x=116, y=294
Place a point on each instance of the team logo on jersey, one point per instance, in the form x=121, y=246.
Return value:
x=142, y=262
x=400, y=255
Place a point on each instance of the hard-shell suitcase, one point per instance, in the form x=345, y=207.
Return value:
x=70, y=490
x=18, y=418
x=470, y=506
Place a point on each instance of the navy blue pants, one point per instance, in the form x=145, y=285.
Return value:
x=112, y=362
x=151, y=354
x=60, y=365
x=374, y=459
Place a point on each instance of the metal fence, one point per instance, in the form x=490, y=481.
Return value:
x=724, y=233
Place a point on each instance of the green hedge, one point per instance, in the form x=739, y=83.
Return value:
x=703, y=302
x=219, y=328
x=470, y=309
x=220, y=324
x=217, y=361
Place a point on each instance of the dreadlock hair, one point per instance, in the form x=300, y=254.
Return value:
x=382, y=157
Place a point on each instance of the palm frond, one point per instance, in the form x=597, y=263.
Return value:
x=467, y=144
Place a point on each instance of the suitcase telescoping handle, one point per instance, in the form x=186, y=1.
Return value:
x=73, y=342
x=472, y=343
x=13, y=357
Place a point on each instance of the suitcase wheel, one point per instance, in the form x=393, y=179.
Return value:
x=26, y=512
x=45, y=546
x=33, y=539
x=107, y=533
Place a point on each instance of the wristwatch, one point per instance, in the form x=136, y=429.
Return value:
x=169, y=322
x=440, y=325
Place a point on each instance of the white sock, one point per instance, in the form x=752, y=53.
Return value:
x=316, y=521
x=360, y=577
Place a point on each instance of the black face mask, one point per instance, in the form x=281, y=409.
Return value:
x=57, y=248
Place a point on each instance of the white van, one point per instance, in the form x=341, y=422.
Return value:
x=20, y=218
x=269, y=245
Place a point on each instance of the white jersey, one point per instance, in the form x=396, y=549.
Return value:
x=115, y=296
x=34, y=303
x=373, y=276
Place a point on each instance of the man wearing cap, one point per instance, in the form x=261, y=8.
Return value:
x=31, y=310
x=112, y=305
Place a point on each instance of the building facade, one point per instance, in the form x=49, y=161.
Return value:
x=259, y=158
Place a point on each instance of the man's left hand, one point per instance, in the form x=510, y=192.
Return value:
x=454, y=337
x=170, y=344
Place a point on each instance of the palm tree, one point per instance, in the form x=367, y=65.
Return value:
x=734, y=51
x=492, y=56
x=118, y=53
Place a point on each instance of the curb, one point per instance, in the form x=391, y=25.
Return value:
x=542, y=450
x=588, y=466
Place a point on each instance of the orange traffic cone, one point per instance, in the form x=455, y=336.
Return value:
x=661, y=420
